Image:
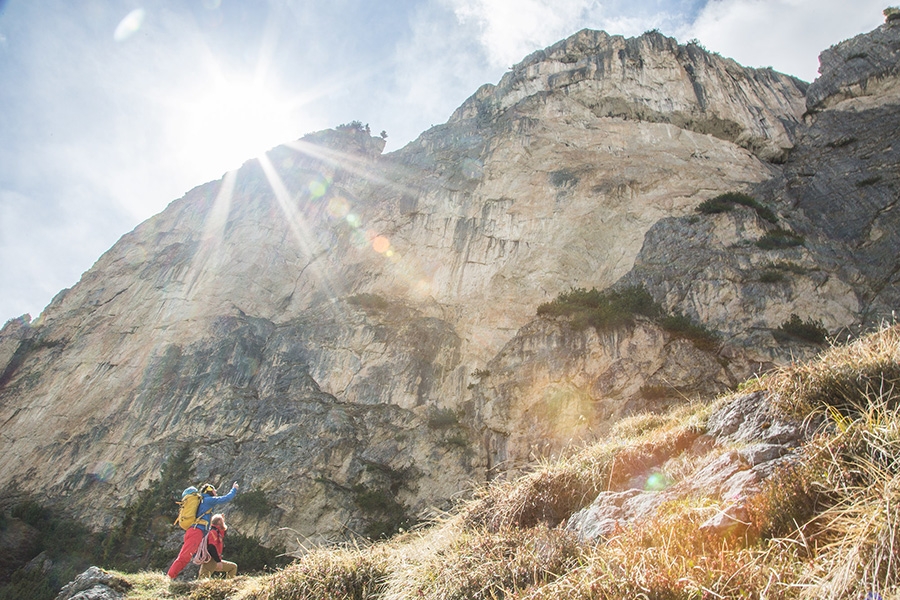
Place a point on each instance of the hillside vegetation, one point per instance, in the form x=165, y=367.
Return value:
x=826, y=524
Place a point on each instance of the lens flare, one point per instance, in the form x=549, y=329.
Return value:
x=104, y=470
x=338, y=207
x=657, y=482
x=129, y=25
x=353, y=220
x=381, y=244
x=318, y=187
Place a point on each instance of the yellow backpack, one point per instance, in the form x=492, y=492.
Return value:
x=187, y=513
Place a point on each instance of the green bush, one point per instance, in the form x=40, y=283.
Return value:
x=872, y=180
x=480, y=374
x=685, y=328
x=132, y=544
x=369, y=301
x=31, y=585
x=788, y=267
x=354, y=125
x=601, y=310
x=655, y=392
x=32, y=513
x=253, y=504
x=563, y=179
x=726, y=202
x=714, y=206
x=612, y=308
x=779, y=238
x=458, y=440
x=440, y=418
x=385, y=514
x=68, y=545
x=809, y=331
x=772, y=276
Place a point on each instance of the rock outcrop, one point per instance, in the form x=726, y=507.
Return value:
x=744, y=442
x=94, y=584
x=354, y=335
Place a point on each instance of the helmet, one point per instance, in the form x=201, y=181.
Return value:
x=187, y=491
x=207, y=488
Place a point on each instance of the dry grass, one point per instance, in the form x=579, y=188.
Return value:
x=346, y=573
x=559, y=488
x=858, y=535
x=487, y=565
x=826, y=525
x=670, y=557
x=843, y=378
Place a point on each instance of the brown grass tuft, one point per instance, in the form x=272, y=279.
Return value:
x=339, y=573
x=858, y=536
x=843, y=377
x=489, y=565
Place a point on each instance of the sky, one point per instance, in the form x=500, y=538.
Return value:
x=111, y=109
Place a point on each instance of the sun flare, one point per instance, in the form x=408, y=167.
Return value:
x=231, y=121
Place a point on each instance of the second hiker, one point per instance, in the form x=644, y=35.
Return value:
x=215, y=542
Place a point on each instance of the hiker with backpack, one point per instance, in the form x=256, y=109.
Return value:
x=196, y=523
x=215, y=542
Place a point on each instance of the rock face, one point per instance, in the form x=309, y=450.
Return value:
x=354, y=335
x=652, y=79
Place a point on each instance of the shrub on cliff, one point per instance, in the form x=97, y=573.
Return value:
x=778, y=239
x=610, y=308
x=613, y=308
x=796, y=328
x=727, y=201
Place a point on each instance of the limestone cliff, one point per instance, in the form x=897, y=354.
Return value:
x=354, y=334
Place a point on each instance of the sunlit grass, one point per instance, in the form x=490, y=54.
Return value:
x=826, y=524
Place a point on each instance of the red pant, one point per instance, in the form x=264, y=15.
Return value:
x=192, y=539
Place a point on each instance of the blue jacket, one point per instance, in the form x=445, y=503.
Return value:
x=208, y=504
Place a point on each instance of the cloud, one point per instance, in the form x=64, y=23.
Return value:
x=430, y=73
x=509, y=30
x=787, y=35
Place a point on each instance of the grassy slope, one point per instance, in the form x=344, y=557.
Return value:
x=826, y=527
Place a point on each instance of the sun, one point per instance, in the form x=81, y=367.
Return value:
x=229, y=120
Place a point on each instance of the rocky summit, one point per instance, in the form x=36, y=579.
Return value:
x=356, y=338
